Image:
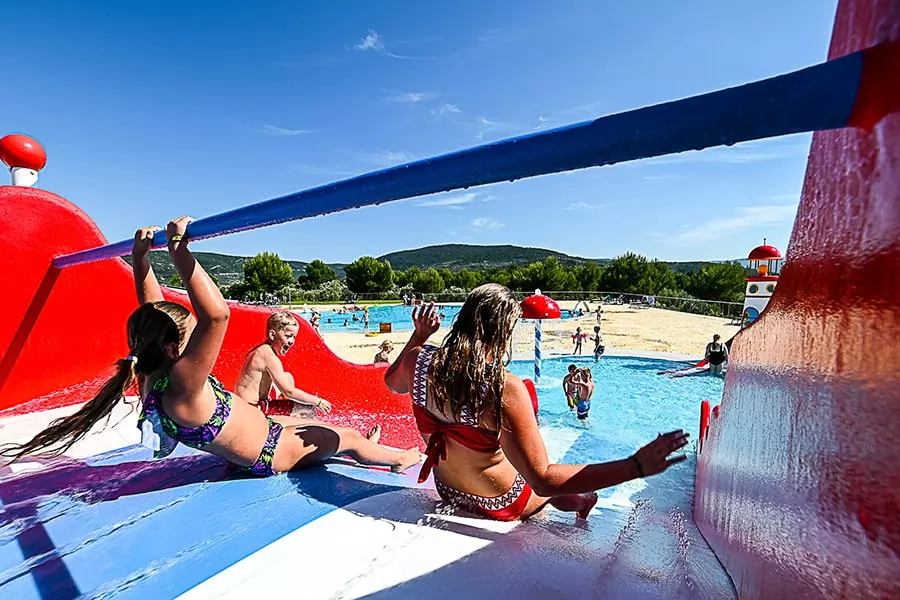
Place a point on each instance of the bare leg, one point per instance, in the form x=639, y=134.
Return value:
x=327, y=441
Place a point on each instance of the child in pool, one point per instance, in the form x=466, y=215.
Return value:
x=570, y=388
x=585, y=382
x=170, y=356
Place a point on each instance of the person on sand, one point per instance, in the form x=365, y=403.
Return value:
x=483, y=441
x=384, y=355
x=570, y=388
x=578, y=339
x=716, y=355
x=599, y=348
x=170, y=356
x=585, y=383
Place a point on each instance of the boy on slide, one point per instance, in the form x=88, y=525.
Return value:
x=263, y=378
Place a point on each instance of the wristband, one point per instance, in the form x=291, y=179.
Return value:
x=176, y=238
x=639, y=466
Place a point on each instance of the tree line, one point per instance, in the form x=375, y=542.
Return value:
x=267, y=277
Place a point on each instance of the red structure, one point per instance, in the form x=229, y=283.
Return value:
x=63, y=329
x=798, y=485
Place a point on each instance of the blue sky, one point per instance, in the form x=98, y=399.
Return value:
x=152, y=110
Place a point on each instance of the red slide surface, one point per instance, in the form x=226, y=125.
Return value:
x=798, y=483
x=62, y=330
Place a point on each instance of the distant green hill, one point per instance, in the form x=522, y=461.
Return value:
x=464, y=256
x=229, y=269
x=226, y=267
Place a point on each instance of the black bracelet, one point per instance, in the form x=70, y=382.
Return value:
x=637, y=464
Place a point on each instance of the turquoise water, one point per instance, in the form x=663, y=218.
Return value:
x=398, y=315
x=630, y=406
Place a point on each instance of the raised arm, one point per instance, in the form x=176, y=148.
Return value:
x=145, y=283
x=212, y=312
x=285, y=384
x=522, y=443
x=426, y=321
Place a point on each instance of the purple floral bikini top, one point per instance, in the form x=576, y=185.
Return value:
x=161, y=434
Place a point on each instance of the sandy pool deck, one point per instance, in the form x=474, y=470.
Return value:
x=625, y=329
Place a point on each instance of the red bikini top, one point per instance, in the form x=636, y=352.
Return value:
x=465, y=432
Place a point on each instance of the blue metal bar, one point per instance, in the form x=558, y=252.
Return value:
x=812, y=99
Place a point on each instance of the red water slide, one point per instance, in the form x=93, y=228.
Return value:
x=798, y=484
x=63, y=329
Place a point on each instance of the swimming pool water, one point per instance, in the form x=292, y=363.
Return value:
x=398, y=315
x=630, y=406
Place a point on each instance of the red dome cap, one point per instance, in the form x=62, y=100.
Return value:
x=540, y=306
x=764, y=253
x=18, y=150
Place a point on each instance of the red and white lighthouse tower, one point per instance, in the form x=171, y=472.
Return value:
x=765, y=262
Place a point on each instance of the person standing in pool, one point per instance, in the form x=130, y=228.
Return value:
x=484, y=445
x=599, y=348
x=585, y=382
x=570, y=387
x=170, y=356
x=716, y=355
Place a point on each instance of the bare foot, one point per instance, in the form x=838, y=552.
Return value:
x=374, y=434
x=589, y=501
x=409, y=458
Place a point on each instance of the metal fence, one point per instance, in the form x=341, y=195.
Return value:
x=690, y=305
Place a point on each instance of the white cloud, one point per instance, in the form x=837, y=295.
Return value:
x=583, y=206
x=408, y=97
x=388, y=158
x=445, y=109
x=745, y=217
x=741, y=154
x=486, y=223
x=273, y=130
x=371, y=43
x=455, y=201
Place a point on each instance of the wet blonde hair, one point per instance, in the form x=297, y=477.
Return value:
x=151, y=329
x=280, y=320
x=468, y=370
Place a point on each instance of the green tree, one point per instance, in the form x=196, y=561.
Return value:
x=447, y=275
x=429, y=282
x=267, y=272
x=634, y=274
x=722, y=281
x=465, y=279
x=317, y=273
x=588, y=276
x=368, y=274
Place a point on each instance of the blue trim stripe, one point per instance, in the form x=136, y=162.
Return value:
x=812, y=99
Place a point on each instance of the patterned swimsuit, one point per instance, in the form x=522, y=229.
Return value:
x=200, y=437
x=509, y=506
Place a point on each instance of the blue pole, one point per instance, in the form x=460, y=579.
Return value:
x=537, y=351
x=812, y=99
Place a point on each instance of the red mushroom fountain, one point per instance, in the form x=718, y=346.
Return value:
x=24, y=156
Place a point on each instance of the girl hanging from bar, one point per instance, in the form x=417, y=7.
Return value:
x=171, y=355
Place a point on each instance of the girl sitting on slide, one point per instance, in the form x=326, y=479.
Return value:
x=170, y=356
x=477, y=418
